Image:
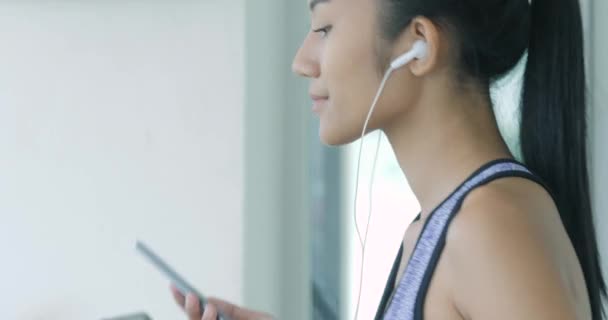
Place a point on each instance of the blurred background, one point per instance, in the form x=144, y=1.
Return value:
x=179, y=123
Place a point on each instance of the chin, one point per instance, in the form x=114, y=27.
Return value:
x=335, y=138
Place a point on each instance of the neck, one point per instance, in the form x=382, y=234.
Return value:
x=441, y=141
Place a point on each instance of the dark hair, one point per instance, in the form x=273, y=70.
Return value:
x=490, y=37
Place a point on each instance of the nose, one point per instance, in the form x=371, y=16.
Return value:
x=305, y=63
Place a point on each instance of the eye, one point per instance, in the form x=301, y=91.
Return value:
x=323, y=31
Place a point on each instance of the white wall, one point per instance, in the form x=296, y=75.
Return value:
x=118, y=120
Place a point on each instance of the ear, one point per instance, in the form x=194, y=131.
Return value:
x=421, y=28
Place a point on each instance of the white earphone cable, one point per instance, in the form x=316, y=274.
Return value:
x=363, y=241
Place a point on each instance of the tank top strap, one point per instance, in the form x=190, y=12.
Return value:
x=408, y=299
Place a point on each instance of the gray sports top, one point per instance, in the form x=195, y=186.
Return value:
x=407, y=301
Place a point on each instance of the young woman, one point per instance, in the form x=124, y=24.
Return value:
x=496, y=239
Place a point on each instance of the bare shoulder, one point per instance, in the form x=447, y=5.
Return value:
x=500, y=251
x=503, y=209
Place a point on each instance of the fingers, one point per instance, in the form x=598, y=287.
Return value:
x=210, y=312
x=226, y=308
x=177, y=296
x=192, y=307
x=233, y=311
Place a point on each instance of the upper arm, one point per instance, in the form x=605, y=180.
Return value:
x=500, y=265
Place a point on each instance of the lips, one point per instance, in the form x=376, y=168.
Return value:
x=318, y=102
x=318, y=97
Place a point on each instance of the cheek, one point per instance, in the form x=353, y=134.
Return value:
x=349, y=71
x=352, y=81
x=343, y=120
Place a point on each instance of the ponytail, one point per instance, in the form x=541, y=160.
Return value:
x=553, y=128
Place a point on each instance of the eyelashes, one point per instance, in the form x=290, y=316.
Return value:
x=323, y=31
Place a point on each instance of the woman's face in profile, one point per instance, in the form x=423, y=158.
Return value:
x=340, y=56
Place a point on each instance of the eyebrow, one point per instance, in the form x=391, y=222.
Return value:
x=314, y=3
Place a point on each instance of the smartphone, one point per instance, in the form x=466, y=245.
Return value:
x=182, y=285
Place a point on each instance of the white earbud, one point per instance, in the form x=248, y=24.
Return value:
x=418, y=51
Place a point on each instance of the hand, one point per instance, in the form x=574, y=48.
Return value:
x=191, y=307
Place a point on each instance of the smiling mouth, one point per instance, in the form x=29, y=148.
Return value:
x=319, y=103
